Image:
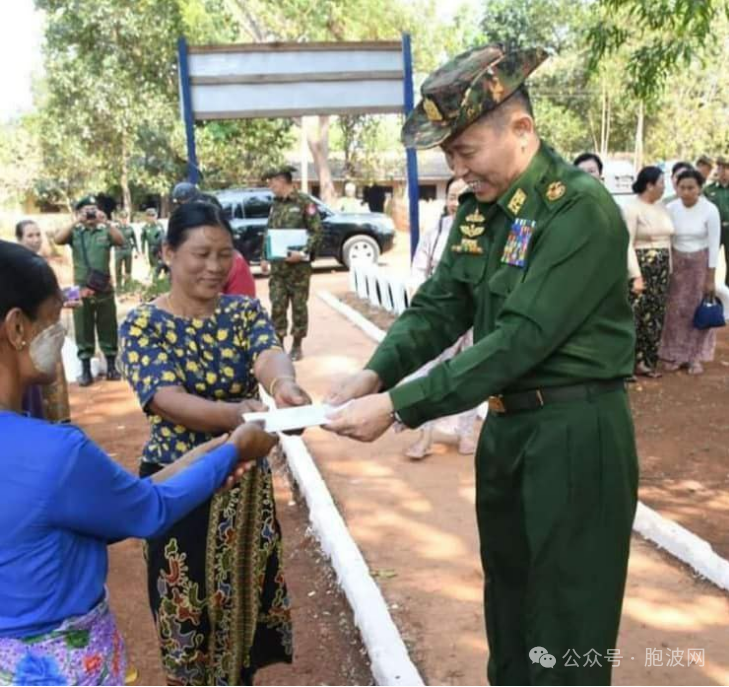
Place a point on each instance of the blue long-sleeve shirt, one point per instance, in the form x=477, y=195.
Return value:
x=62, y=499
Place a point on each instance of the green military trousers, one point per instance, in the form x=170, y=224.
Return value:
x=97, y=315
x=556, y=492
x=290, y=284
x=123, y=263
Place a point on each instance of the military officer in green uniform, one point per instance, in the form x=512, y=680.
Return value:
x=153, y=236
x=290, y=278
x=535, y=262
x=718, y=193
x=123, y=256
x=91, y=241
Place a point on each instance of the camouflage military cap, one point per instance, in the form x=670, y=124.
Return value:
x=723, y=161
x=470, y=85
x=284, y=171
x=86, y=200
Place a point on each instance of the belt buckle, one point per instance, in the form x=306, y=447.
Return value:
x=496, y=404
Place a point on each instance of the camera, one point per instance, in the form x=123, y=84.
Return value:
x=90, y=214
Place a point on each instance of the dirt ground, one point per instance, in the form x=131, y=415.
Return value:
x=328, y=650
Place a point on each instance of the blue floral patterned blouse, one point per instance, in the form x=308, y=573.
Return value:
x=211, y=358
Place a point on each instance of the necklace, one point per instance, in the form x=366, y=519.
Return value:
x=175, y=310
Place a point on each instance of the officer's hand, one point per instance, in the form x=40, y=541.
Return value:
x=265, y=267
x=365, y=419
x=638, y=285
x=295, y=256
x=357, y=385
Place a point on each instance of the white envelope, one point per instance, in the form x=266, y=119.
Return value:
x=286, y=419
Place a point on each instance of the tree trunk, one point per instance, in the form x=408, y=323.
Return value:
x=638, y=160
x=319, y=146
x=124, y=181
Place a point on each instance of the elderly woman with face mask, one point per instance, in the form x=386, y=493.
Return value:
x=64, y=500
x=195, y=357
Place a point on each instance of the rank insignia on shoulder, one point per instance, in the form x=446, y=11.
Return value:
x=475, y=217
x=516, y=245
x=517, y=201
x=556, y=190
x=472, y=231
x=469, y=246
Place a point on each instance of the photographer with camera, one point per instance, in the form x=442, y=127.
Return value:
x=91, y=240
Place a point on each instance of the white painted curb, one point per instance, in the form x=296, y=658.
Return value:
x=666, y=534
x=390, y=662
x=683, y=544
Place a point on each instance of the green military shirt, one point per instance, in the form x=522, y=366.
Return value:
x=719, y=195
x=296, y=211
x=541, y=275
x=153, y=235
x=97, y=244
x=130, y=240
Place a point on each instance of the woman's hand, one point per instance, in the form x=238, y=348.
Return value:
x=638, y=286
x=251, y=405
x=252, y=443
x=288, y=394
x=710, y=287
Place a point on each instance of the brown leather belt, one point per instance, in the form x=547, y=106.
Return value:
x=538, y=398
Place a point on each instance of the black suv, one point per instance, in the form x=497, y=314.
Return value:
x=346, y=236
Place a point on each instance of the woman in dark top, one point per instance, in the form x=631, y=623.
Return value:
x=64, y=500
x=195, y=358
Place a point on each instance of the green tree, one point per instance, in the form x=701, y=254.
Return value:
x=660, y=36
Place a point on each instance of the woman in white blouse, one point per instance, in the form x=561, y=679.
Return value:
x=427, y=256
x=649, y=265
x=695, y=252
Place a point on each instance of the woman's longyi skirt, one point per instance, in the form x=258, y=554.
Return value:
x=217, y=589
x=682, y=343
x=86, y=650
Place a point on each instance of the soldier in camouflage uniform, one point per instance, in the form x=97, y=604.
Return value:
x=290, y=278
x=153, y=236
x=123, y=256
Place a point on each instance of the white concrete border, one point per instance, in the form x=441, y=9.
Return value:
x=666, y=534
x=390, y=662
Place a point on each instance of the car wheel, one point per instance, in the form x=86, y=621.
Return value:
x=360, y=247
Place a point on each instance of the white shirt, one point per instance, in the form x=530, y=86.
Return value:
x=429, y=251
x=696, y=228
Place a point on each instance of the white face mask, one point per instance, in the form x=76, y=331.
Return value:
x=46, y=347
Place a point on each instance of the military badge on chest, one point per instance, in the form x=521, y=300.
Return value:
x=518, y=242
x=473, y=227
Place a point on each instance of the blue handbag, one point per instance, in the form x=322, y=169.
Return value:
x=710, y=313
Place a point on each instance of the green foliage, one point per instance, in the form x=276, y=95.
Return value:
x=660, y=36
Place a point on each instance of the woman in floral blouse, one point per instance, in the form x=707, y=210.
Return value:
x=195, y=358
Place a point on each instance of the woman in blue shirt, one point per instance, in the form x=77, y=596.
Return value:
x=64, y=500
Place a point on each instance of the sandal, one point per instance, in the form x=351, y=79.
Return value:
x=695, y=368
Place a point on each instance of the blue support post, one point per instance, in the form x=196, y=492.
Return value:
x=412, y=159
x=193, y=173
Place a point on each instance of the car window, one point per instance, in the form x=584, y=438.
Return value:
x=257, y=206
x=228, y=211
x=238, y=211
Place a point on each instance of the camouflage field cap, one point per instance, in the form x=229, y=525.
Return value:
x=283, y=170
x=86, y=200
x=459, y=92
